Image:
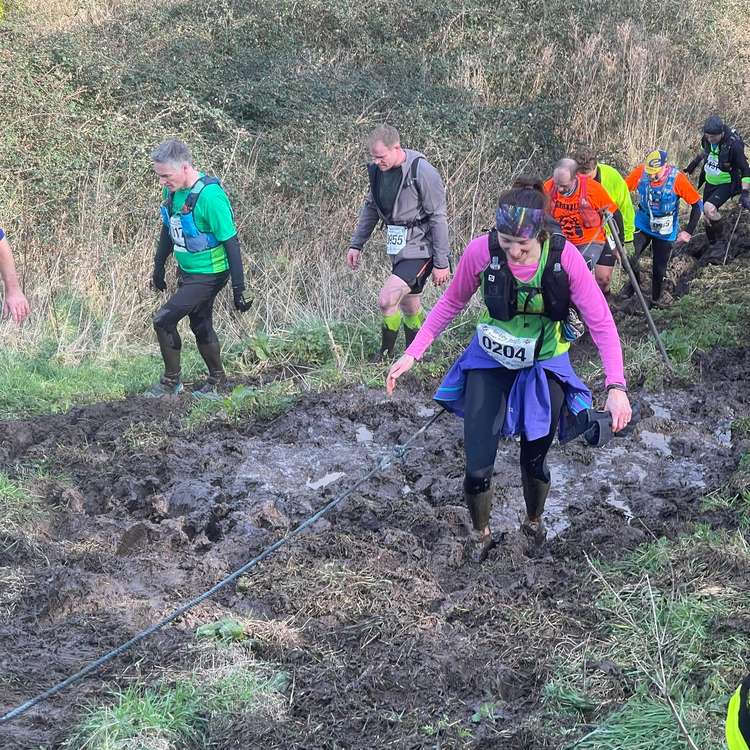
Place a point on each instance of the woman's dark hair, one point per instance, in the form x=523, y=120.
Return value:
x=527, y=192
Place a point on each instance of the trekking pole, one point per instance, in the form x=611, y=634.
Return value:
x=609, y=220
x=731, y=236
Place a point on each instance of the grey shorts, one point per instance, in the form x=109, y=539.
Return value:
x=591, y=253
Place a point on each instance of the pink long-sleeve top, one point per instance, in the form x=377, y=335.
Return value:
x=584, y=293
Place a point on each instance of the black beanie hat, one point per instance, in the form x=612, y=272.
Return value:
x=713, y=125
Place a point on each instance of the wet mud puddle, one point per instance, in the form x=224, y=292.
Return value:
x=136, y=531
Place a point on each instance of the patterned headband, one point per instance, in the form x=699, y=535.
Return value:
x=518, y=221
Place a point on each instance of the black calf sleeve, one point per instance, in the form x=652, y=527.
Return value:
x=203, y=329
x=537, y=468
x=474, y=484
x=167, y=333
x=662, y=250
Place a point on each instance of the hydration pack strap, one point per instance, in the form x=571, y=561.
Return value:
x=193, y=195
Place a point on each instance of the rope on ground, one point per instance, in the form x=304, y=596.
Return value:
x=398, y=452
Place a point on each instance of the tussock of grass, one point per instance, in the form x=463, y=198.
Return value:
x=20, y=508
x=736, y=499
x=12, y=583
x=664, y=635
x=643, y=724
x=184, y=708
x=714, y=313
x=243, y=403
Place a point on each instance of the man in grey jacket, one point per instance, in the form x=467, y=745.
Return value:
x=408, y=196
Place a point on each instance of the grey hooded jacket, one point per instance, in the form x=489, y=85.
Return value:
x=421, y=207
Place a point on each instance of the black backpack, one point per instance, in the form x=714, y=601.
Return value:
x=501, y=287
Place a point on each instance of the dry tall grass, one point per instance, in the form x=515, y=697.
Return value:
x=628, y=87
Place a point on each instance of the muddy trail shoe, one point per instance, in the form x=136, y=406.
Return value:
x=479, y=545
x=627, y=291
x=164, y=388
x=534, y=529
x=214, y=389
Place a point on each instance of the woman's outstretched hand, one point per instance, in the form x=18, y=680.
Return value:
x=618, y=405
x=399, y=367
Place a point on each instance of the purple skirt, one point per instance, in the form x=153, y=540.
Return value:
x=528, y=412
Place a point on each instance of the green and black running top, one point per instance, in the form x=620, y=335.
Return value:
x=199, y=220
x=533, y=309
x=738, y=718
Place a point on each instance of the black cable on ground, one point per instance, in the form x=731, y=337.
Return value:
x=398, y=452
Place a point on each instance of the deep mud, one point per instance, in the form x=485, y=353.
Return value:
x=397, y=631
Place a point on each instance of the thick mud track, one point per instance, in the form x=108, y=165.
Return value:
x=396, y=628
x=397, y=638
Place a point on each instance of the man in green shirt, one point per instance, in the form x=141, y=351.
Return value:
x=198, y=227
x=614, y=183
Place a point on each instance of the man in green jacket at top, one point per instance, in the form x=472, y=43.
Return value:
x=614, y=183
x=198, y=227
x=408, y=196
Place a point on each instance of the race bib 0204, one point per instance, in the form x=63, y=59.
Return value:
x=395, y=240
x=662, y=224
x=513, y=352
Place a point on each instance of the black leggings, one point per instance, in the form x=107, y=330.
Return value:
x=661, y=250
x=486, y=397
x=194, y=298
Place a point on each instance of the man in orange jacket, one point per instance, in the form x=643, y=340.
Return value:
x=577, y=204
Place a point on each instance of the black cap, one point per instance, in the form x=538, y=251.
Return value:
x=714, y=125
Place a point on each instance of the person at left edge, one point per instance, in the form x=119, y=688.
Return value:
x=198, y=227
x=407, y=194
x=15, y=304
x=515, y=377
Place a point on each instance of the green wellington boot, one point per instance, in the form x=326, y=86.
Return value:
x=535, y=493
x=480, y=506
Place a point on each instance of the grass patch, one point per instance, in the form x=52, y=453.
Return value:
x=734, y=502
x=714, y=313
x=38, y=384
x=666, y=646
x=20, y=509
x=243, y=403
x=186, y=709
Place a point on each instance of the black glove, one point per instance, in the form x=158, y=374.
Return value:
x=745, y=199
x=688, y=169
x=158, y=281
x=240, y=303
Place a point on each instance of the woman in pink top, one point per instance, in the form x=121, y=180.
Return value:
x=515, y=377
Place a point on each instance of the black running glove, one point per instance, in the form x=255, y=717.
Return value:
x=158, y=280
x=745, y=199
x=240, y=303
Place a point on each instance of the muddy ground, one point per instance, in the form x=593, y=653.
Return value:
x=395, y=629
